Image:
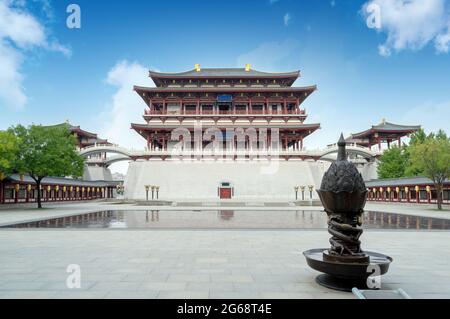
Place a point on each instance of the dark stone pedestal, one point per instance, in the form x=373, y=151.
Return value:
x=343, y=276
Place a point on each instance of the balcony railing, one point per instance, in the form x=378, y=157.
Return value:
x=225, y=112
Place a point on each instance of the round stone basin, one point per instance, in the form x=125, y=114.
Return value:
x=345, y=276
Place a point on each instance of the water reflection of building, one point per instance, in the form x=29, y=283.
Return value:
x=226, y=214
x=154, y=216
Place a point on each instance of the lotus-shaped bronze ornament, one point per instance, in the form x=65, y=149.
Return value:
x=343, y=195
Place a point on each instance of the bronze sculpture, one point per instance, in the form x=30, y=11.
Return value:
x=343, y=195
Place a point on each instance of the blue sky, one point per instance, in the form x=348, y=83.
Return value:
x=399, y=71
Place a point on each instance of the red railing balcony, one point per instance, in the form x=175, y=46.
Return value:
x=227, y=112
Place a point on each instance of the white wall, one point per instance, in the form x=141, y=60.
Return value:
x=97, y=173
x=369, y=170
x=259, y=180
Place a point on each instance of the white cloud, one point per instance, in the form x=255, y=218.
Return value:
x=287, y=19
x=20, y=32
x=412, y=24
x=126, y=105
x=11, y=91
x=267, y=56
x=442, y=41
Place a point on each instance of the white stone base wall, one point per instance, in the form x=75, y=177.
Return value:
x=200, y=179
x=97, y=173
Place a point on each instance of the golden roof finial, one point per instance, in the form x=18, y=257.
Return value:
x=247, y=67
x=197, y=67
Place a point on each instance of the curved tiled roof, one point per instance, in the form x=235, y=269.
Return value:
x=387, y=127
x=225, y=89
x=402, y=181
x=224, y=72
x=15, y=178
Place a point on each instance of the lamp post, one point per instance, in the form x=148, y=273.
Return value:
x=428, y=188
x=157, y=192
x=310, y=187
x=146, y=191
x=302, y=188
x=153, y=192
x=389, y=193
x=28, y=193
x=296, y=192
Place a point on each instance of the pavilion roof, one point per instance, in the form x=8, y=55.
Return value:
x=239, y=73
x=308, y=89
x=80, y=131
x=143, y=128
x=385, y=127
x=15, y=178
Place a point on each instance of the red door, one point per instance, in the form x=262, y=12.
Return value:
x=225, y=193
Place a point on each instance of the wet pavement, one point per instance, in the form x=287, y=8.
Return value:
x=228, y=219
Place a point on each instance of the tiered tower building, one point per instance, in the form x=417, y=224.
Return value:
x=223, y=133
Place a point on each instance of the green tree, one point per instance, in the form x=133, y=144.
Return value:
x=417, y=137
x=433, y=158
x=47, y=151
x=393, y=163
x=9, y=147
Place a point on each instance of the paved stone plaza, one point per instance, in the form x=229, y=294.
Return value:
x=201, y=263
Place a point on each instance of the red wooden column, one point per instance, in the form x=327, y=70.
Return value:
x=284, y=106
x=16, y=193
x=2, y=192
x=301, y=143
